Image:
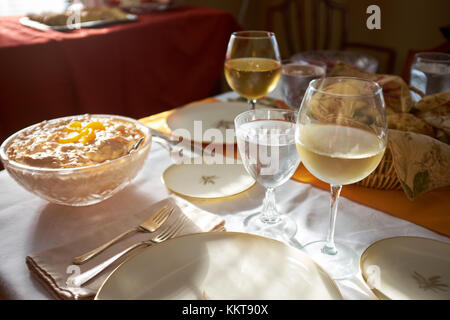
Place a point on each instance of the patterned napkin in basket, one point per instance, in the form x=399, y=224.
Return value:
x=54, y=266
x=421, y=162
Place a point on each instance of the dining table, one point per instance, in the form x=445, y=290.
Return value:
x=30, y=224
x=158, y=61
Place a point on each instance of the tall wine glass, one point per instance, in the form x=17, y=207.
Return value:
x=341, y=136
x=266, y=143
x=252, y=64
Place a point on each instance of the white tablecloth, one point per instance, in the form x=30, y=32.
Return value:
x=29, y=224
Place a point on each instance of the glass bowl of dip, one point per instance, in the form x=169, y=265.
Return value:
x=80, y=185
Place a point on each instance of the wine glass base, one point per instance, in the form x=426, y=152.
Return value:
x=282, y=230
x=342, y=265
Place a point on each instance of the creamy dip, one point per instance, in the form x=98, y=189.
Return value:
x=49, y=144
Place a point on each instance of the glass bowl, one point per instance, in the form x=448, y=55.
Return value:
x=331, y=57
x=79, y=186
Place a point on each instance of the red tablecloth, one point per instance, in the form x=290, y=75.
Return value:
x=162, y=61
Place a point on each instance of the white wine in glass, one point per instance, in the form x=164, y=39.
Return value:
x=341, y=137
x=252, y=66
x=329, y=151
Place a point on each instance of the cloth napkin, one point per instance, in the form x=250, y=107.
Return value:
x=53, y=267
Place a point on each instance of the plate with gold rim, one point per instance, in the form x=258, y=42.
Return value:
x=204, y=122
x=407, y=268
x=219, y=266
x=207, y=181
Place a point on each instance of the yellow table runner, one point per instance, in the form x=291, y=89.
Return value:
x=430, y=210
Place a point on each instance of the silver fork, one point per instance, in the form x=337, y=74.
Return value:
x=150, y=225
x=169, y=232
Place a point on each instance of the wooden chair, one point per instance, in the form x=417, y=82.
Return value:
x=321, y=25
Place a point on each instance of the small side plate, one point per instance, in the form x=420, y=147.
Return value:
x=404, y=268
x=207, y=181
x=193, y=121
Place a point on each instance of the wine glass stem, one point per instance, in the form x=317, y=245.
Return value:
x=251, y=104
x=269, y=211
x=329, y=247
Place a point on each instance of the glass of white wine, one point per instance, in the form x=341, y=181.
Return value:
x=252, y=64
x=341, y=136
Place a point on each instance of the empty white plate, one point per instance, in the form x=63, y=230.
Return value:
x=219, y=265
x=214, y=115
x=207, y=180
x=407, y=268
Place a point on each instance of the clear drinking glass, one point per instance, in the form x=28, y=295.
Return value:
x=252, y=64
x=341, y=137
x=330, y=57
x=266, y=142
x=295, y=78
x=430, y=72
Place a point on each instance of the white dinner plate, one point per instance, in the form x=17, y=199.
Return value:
x=214, y=115
x=217, y=266
x=207, y=180
x=403, y=268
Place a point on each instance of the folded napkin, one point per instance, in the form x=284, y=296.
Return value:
x=54, y=266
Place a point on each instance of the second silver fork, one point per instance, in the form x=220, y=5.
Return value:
x=150, y=225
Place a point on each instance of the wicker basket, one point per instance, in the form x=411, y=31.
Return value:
x=384, y=176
